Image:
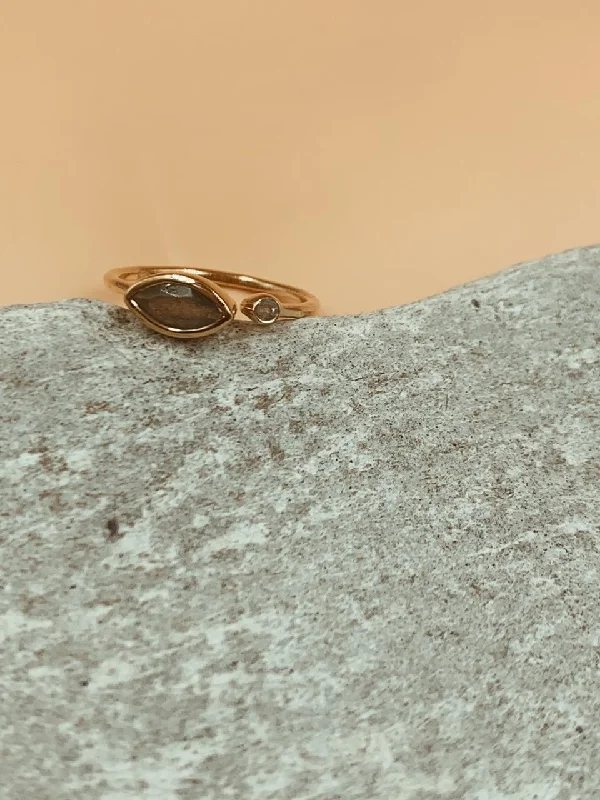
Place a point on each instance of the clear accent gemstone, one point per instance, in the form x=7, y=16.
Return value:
x=267, y=309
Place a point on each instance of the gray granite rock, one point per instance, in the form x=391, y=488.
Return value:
x=348, y=558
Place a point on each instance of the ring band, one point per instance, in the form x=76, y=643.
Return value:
x=186, y=302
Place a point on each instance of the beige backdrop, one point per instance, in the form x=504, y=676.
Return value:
x=373, y=151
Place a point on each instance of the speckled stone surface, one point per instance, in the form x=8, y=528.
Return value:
x=341, y=559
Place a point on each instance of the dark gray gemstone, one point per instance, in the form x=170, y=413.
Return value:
x=178, y=305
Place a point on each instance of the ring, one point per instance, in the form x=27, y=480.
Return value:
x=186, y=302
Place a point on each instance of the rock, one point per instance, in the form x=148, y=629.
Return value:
x=352, y=558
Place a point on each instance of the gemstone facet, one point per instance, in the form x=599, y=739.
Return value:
x=178, y=306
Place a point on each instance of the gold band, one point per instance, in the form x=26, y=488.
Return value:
x=187, y=302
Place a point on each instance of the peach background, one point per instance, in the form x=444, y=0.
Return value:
x=373, y=151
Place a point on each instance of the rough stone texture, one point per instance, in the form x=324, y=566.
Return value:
x=353, y=558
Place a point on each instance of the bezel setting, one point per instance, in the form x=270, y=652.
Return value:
x=210, y=290
x=251, y=307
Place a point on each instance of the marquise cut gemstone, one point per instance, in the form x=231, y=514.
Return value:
x=179, y=306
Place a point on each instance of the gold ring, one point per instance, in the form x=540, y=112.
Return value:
x=187, y=302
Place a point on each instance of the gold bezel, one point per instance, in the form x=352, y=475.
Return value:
x=207, y=288
x=248, y=308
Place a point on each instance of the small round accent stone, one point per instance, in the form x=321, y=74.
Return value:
x=267, y=309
